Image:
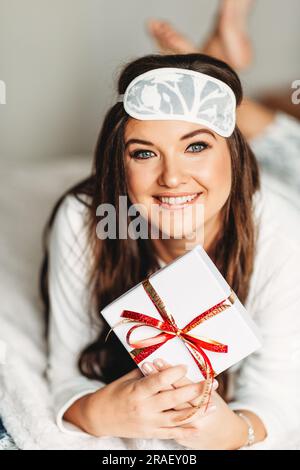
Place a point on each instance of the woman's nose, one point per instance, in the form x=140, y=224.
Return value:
x=172, y=173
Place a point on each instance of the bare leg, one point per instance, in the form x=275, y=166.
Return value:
x=231, y=29
x=169, y=40
x=229, y=42
x=253, y=118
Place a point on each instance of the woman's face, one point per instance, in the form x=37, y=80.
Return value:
x=181, y=170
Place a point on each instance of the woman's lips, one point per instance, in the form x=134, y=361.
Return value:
x=174, y=202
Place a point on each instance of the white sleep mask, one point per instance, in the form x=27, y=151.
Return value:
x=180, y=94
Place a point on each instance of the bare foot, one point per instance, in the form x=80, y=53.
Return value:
x=229, y=40
x=232, y=29
x=168, y=39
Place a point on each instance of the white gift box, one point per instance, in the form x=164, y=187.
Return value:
x=189, y=286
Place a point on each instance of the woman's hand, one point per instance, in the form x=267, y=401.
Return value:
x=217, y=428
x=221, y=430
x=134, y=406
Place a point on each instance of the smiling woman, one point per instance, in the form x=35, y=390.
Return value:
x=180, y=153
x=177, y=172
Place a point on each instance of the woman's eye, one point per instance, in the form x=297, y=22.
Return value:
x=142, y=154
x=198, y=147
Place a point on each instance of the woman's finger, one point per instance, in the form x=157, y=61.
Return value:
x=174, y=418
x=149, y=368
x=155, y=383
x=167, y=400
x=161, y=364
x=184, y=417
x=176, y=433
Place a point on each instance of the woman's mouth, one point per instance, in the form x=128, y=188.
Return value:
x=177, y=201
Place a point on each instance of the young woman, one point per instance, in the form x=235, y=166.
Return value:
x=172, y=164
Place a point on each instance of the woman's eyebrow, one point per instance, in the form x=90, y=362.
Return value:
x=184, y=137
x=198, y=131
x=138, y=141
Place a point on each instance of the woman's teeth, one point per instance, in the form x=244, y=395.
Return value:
x=177, y=200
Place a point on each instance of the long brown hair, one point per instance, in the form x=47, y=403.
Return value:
x=118, y=264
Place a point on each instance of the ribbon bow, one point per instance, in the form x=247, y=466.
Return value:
x=168, y=328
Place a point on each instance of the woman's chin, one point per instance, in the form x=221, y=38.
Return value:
x=187, y=233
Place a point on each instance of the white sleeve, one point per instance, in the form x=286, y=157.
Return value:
x=268, y=383
x=70, y=325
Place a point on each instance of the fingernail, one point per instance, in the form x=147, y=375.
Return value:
x=215, y=384
x=147, y=368
x=210, y=409
x=159, y=363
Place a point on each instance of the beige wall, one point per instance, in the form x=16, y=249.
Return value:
x=58, y=57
